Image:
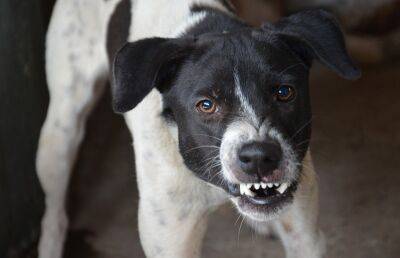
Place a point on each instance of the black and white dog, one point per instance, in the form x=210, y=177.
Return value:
x=219, y=111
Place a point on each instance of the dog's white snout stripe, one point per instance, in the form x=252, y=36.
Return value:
x=244, y=102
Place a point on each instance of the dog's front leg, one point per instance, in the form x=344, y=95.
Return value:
x=172, y=218
x=171, y=229
x=298, y=227
x=300, y=235
x=174, y=204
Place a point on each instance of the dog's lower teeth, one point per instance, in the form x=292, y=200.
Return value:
x=250, y=193
x=282, y=188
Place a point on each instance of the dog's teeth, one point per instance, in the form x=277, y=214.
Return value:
x=276, y=184
x=270, y=185
x=282, y=188
x=257, y=186
x=249, y=192
x=249, y=186
x=263, y=185
x=242, y=187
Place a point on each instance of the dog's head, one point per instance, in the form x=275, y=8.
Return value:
x=239, y=99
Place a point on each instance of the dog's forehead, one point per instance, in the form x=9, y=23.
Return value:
x=239, y=57
x=247, y=45
x=254, y=56
x=239, y=69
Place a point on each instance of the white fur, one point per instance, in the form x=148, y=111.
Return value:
x=247, y=108
x=76, y=67
x=192, y=21
x=237, y=134
x=174, y=203
x=243, y=131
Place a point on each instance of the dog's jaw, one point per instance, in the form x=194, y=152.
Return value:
x=279, y=187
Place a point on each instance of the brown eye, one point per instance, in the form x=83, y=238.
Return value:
x=207, y=106
x=285, y=93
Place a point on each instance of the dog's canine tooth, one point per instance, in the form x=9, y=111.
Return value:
x=257, y=186
x=242, y=187
x=263, y=185
x=282, y=188
x=270, y=185
x=249, y=192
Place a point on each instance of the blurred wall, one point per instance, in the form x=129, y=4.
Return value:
x=23, y=105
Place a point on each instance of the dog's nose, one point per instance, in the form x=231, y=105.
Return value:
x=260, y=157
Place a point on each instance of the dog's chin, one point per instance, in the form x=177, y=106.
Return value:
x=263, y=204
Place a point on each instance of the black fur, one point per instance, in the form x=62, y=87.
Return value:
x=316, y=34
x=118, y=28
x=134, y=76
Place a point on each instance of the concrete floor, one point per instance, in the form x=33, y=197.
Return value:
x=356, y=148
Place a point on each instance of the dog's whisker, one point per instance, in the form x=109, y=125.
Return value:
x=215, y=175
x=203, y=146
x=301, y=128
x=209, y=156
x=303, y=142
x=211, y=165
x=240, y=228
x=237, y=219
x=206, y=168
x=210, y=136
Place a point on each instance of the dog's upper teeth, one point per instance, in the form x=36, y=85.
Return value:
x=263, y=185
x=249, y=186
x=276, y=184
x=257, y=186
x=244, y=189
x=282, y=188
x=270, y=185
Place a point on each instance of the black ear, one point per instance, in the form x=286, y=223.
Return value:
x=143, y=65
x=316, y=34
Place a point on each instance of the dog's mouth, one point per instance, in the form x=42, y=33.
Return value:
x=263, y=198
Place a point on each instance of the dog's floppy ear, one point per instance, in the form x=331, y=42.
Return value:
x=143, y=65
x=316, y=34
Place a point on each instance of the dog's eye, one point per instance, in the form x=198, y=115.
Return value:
x=207, y=106
x=285, y=93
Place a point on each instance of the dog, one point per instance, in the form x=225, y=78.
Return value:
x=219, y=112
